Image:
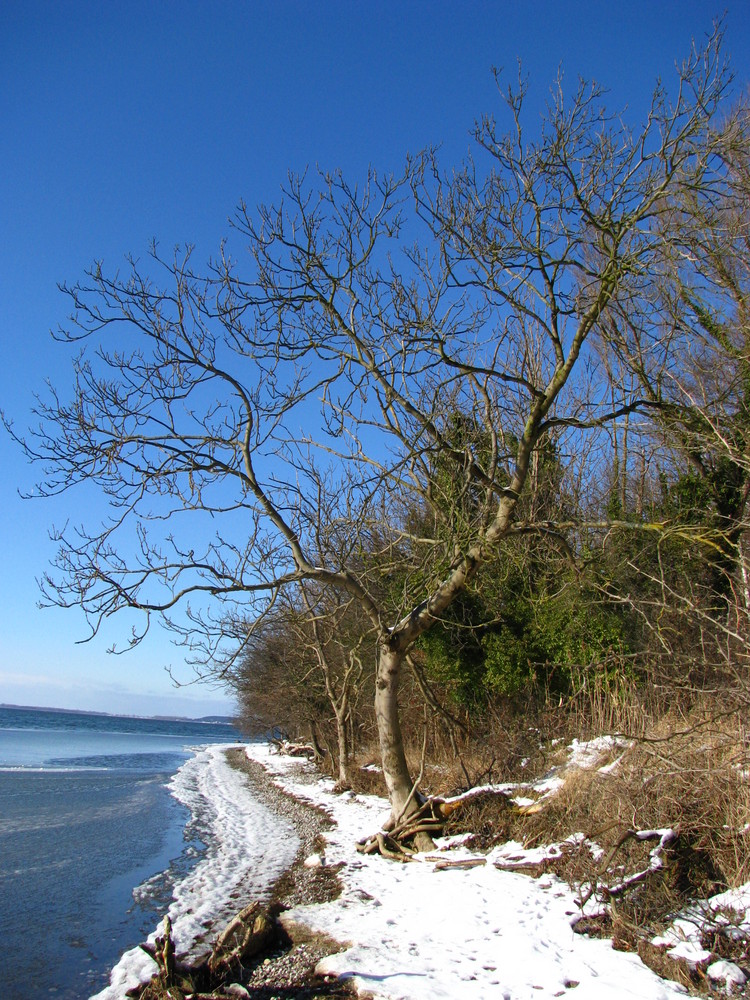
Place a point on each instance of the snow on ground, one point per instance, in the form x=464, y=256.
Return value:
x=416, y=933
x=411, y=931
x=727, y=913
x=247, y=849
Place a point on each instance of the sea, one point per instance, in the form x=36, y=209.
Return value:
x=86, y=818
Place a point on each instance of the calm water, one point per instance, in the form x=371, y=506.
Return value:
x=84, y=818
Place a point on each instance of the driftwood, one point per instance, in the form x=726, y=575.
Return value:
x=247, y=934
x=444, y=864
x=162, y=952
x=288, y=749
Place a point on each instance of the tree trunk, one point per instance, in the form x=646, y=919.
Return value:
x=314, y=740
x=395, y=769
x=342, y=734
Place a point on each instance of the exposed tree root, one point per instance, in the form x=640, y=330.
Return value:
x=396, y=840
x=396, y=843
x=248, y=934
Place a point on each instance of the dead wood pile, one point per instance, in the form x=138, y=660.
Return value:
x=252, y=932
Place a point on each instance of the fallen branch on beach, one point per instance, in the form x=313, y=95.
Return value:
x=247, y=935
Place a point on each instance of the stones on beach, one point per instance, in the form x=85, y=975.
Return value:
x=286, y=965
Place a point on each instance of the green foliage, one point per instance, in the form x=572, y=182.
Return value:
x=549, y=636
x=685, y=499
x=532, y=639
x=683, y=546
x=453, y=654
x=528, y=619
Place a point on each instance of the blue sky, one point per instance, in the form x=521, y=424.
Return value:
x=123, y=122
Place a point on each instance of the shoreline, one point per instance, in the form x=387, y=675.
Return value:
x=289, y=971
x=431, y=930
x=263, y=869
x=298, y=883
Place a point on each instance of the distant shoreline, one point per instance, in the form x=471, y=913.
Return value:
x=209, y=719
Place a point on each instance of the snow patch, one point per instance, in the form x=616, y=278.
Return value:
x=726, y=972
x=412, y=932
x=587, y=754
x=693, y=954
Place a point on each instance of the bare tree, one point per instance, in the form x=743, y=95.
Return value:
x=338, y=656
x=687, y=351
x=232, y=418
x=301, y=666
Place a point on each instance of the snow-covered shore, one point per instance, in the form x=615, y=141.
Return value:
x=417, y=933
x=247, y=849
x=407, y=932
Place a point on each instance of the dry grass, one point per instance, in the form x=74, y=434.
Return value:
x=688, y=776
x=489, y=818
x=366, y=775
x=687, y=768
